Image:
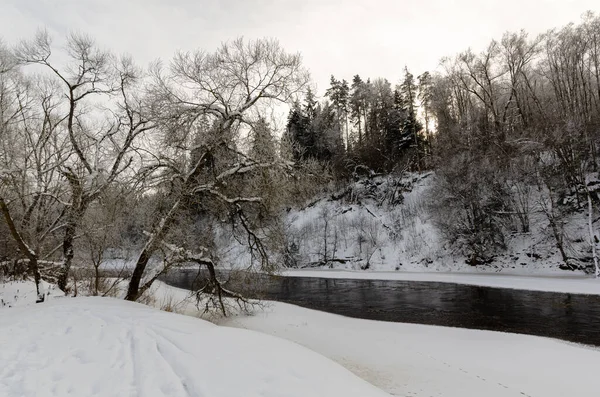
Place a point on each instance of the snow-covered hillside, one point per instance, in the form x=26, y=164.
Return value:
x=385, y=224
x=377, y=223
x=107, y=347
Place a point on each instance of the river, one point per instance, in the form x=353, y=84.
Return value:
x=571, y=317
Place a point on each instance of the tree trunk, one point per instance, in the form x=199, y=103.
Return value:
x=217, y=285
x=359, y=128
x=24, y=248
x=348, y=146
x=34, y=268
x=73, y=219
x=557, y=231
x=97, y=280
x=68, y=254
x=75, y=211
x=133, y=290
x=592, y=235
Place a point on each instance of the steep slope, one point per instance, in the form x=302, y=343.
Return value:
x=386, y=223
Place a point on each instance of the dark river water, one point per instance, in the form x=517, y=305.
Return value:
x=571, y=317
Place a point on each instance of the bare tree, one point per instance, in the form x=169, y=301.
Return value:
x=101, y=233
x=527, y=107
x=593, y=239
x=101, y=135
x=208, y=166
x=31, y=192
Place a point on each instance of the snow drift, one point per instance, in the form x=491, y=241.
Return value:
x=107, y=347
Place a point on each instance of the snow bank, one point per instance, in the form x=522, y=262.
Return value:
x=107, y=347
x=420, y=360
x=23, y=293
x=567, y=284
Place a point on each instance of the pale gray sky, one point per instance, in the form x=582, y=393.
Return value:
x=374, y=38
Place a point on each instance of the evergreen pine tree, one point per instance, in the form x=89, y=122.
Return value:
x=425, y=98
x=262, y=146
x=411, y=126
x=356, y=105
x=296, y=133
x=338, y=93
x=310, y=104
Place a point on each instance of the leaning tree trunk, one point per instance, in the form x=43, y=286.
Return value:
x=133, y=290
x=160, y=230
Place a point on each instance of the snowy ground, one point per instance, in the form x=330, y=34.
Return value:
x=419, y=360
x=108, y=347
x=574, y=284
x=23, y=293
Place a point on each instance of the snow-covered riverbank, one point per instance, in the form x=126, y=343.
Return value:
x=421, y=360
x=573, y=284
x=107, y=347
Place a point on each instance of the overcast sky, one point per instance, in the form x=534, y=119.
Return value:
x=374, y=38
